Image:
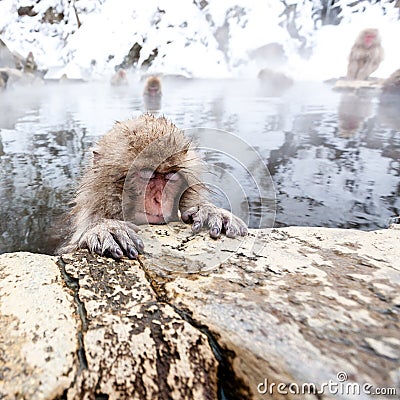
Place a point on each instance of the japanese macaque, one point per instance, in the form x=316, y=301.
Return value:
x=274, y=83
x=152, y=94
x=143, y=170
x=30, y=64
x=391, y=85
x=119, y=78
x=3, y=80
x=152, y=87
x=365, y=55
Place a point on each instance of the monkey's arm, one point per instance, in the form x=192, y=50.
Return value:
x=217, y=219
x=373, y=63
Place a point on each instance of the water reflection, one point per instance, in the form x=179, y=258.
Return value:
x=333, y=158
x=353, y=111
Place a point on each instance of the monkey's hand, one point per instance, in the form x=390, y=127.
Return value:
x=110, y=237
x=217, y=219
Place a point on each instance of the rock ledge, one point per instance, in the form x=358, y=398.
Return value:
x=196, y=318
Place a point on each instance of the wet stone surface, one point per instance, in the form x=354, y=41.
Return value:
x=135, y=347
x=197, y=318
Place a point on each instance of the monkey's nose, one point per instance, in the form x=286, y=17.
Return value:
x=157, y=199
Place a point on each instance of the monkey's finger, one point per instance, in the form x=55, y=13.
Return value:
x=244, y=231
x=231, y=231
x=108, y=244
x=132, y=252
x=235, y=227
x=125, y=242
x=137, y=241
x=215, y=225
x=132, y=226
x=188, y=215
x=198, y=222
x=92, y=242
x=241, y=226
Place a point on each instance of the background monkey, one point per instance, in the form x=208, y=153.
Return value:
x=30, y=64
x=119, y=78
x=391, y=85
x=365, y=55
x=143, y=171
x=152, y=87
x=152, y=94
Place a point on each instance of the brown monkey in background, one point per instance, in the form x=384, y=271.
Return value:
x=143, y=171
x=30, y=64
x=152, y=94
x=391, y=85
x=365, y=55
x=152, y=87
x=273, y=82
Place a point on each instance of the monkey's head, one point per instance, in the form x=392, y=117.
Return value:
x=391, y=85
x=153, y=86
x=121, y=73
x=369, y=37
x=151, y=166
x=157, y=180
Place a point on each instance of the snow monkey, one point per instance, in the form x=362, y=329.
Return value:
x=119, y=78
x=152, y=87
x=365, y=55
x=30, y=63
x=144, y=170
x=152, y=94
x=391, y=85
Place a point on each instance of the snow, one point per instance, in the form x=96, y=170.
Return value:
x=210, y=42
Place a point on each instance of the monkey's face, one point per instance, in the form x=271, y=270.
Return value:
x=369, y=39
x=153, y=89
x=159, y=196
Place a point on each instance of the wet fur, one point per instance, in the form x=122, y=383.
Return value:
x=97, y=216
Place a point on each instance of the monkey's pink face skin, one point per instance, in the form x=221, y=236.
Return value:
x=153, y=90
x=369, y=39
x=162, y=193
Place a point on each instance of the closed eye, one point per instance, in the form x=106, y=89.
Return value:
x=146, y=174
x=173, y=176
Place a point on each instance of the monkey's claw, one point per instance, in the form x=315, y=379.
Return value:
x=217, y=219
x=112, y=238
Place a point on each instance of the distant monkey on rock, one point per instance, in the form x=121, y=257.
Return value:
x=365, y=55
x=391, y=85
x=144, y=170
